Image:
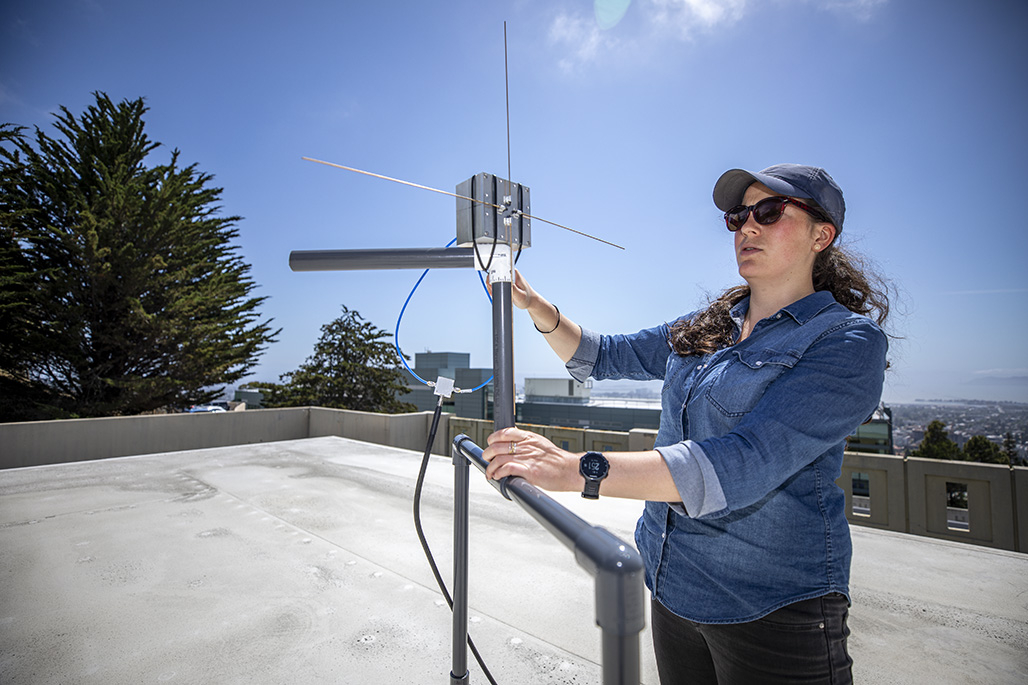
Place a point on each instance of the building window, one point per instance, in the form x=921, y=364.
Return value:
x=956, y=507
x=565, y=445
x=861, y=495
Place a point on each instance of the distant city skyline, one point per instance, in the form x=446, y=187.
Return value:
x=619, y=124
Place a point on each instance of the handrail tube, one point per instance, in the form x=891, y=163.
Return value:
x=563, y=524
x=386, y=258
x=616, y=566
x=595, y=548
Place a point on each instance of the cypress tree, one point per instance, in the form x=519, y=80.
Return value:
x=127, y=292
x=353, y=367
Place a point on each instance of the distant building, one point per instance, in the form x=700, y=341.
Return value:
x=557, y=390
x=455, y=366
x=567, y=402
x=875, y=436
x=253, y=397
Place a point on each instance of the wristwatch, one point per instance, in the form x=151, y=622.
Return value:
x=594, y=467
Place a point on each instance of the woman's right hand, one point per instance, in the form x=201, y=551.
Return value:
x=522, y=294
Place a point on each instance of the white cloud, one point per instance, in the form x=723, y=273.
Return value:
x=686, y=17
x=581, y=36
x=585, y=42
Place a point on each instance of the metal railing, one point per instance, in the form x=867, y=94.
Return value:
x=615, y=565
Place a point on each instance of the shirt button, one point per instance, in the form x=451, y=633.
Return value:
x=778, y=315
x=759, y=364
x=663, y=536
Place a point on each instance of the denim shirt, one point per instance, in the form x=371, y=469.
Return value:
x=753, y=436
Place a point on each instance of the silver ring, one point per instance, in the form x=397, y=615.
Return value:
x=513, y=446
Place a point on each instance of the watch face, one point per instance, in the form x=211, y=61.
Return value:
x=594, y=466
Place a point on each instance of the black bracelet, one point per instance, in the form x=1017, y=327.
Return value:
x=552, y=329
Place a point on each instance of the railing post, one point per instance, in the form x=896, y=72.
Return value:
x=459, y=674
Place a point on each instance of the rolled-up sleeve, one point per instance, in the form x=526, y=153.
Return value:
x=581, y=364
x=695, y=479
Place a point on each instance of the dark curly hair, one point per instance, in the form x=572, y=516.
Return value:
x=847, y=276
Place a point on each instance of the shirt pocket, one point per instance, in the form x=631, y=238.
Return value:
x=745, y=376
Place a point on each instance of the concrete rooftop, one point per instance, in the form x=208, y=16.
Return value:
x=297, y=562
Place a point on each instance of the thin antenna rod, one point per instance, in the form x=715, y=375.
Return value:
x=568, y=228
x=396, y=180
x=506, y=91
x=461, y=197
x=506, y=87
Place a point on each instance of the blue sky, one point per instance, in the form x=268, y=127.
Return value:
x=916, y=108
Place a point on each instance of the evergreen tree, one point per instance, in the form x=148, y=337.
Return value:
x=936, y=443
x=1010, y=449
x=980, y=448
x=121, y=291
x=353, y=367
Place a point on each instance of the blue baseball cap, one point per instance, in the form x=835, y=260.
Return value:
x=795, y=180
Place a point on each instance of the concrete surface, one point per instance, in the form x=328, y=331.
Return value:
x=297, y=562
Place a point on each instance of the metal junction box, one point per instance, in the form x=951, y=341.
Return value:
x=498, y=211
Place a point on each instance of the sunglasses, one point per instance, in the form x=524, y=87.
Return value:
x=767, y=211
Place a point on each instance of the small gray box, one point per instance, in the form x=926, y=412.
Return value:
x=481, y=221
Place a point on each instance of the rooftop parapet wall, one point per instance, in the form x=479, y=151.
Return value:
x=38, y=443
x=906, y=495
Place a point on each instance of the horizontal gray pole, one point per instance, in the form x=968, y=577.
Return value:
x=596, y=550
x=401, y=258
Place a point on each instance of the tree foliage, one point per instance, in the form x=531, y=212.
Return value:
x=980, y=448
x=936, y=443
x=353, y=367
x=120, y=289
x=1010, y=449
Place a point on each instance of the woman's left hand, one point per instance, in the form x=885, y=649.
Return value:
x=516, y=452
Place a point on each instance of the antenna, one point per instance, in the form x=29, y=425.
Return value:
x=493, y=211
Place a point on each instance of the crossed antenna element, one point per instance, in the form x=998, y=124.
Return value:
x=504, y=207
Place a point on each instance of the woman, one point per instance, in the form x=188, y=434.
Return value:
x=744, y=532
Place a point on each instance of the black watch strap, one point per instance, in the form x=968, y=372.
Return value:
x=593, y=467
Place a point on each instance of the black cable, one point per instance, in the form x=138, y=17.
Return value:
x=496, y=233
x=421, y=532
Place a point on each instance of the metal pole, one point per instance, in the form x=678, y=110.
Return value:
x=503, y=357
x=363, y=260
x=620, y=658
x=620, y=615
x=459, y=674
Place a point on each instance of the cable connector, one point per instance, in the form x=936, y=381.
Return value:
x=443, y=386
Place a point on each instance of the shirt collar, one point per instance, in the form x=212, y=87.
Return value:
x=801, y=311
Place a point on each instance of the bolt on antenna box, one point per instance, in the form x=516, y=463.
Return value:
x=492, y=208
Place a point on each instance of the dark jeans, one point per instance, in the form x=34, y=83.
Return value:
x=803, y=642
